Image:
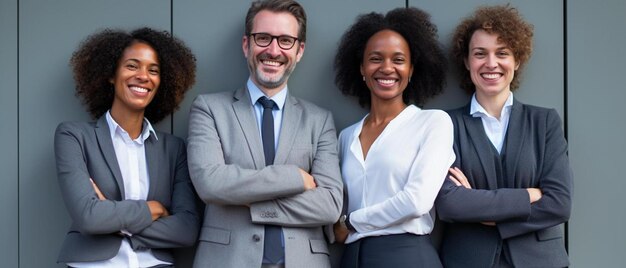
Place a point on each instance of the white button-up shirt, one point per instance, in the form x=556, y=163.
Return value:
x=393, y=190
x=494, y=128
x=131, y=158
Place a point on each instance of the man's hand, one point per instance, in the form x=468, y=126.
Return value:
x=309, y=182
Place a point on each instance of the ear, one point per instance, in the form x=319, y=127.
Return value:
x=466, y=64
x=517, y=65
x=300, y=51
x=411, y=73
x=245, y=43
x=361, y=70
x=112, y=81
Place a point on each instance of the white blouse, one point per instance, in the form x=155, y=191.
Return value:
x=393, y=190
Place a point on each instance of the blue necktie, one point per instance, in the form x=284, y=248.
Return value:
x=273, y=245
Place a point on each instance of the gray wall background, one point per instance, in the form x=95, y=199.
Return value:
x=575, y=67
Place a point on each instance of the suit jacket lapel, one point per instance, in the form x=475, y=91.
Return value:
x=248, y=123
x=515, y=137
x=483, y=146
x=103, y=135
x=291, y=119
x=153, y=157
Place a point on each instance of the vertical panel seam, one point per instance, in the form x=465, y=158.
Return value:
x=172, y=33
x=17, y=129
x=565, y=100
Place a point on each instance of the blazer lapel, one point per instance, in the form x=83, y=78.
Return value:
x=103, y=135
x=482, y=145
x=245, y=116
x=153, y=159
x=515, y=137
x=291, y=119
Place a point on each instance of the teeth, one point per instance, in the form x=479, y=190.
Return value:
x=271, y=63
x=491, y=76
x=386, y=81
x=139, y=89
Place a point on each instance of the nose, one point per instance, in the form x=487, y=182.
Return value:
x=273, y=48
x=142, y=74
x=386, y=67
x=492, y=61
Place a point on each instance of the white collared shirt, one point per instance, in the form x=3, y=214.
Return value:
x=393, y=190
x=494, y=128
x=131, y=158
x=279, y=99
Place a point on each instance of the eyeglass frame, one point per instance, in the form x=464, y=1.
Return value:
x=295, y=39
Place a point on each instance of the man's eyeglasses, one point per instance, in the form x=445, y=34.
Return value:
x=285, y=42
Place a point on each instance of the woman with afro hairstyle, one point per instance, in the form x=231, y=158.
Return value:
x=509, y=190
x=125, y=185
x=396, y=158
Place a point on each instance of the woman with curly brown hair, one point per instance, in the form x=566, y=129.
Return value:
x=125, y=185
x=395, y=159
x=509, y=190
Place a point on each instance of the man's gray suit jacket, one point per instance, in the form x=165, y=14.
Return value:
x=227, y=168
x=85, y=150
x=534, y=155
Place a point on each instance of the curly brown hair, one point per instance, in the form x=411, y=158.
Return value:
x=427, y=56
x=95, y=61
x=502, y=20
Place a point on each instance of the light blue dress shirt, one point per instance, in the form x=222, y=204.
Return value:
x=279, y=99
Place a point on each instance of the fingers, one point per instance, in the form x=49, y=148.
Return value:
x=535, y=194
x=97, y=190
x=309, y=182
x=157, y=210
x=341, y=233
x=456, y=182
x=459, y=177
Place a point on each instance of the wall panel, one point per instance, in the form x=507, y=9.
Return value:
x=49, y=33
x=8, y=134
x=596, y=96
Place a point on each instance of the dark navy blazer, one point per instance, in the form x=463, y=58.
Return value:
x=534, y=155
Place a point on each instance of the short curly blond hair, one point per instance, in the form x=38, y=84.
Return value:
x=502, y=20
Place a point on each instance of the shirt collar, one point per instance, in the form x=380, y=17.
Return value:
x=256, y=93
x=477, y=110
x=146, y=131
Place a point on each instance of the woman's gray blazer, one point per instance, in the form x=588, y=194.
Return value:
x=85, y=150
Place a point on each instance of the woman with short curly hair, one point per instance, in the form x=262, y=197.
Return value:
x=509, y=190
x=394, y=160
x=125, y=185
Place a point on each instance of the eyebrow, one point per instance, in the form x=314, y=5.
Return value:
x=394, y=53
x=498, y=48
x=136, y=60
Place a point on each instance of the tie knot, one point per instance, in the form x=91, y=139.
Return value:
x=266, y=103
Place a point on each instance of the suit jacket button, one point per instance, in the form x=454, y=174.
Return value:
x=256, y=238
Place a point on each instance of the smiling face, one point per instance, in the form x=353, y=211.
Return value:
x=137, y=78
x=386, y=65
x=491, y=65
x=271, y=66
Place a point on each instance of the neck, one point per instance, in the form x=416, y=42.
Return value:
x=131, y=122
x=382, y=111
x=493, y=104
x=270, y=92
